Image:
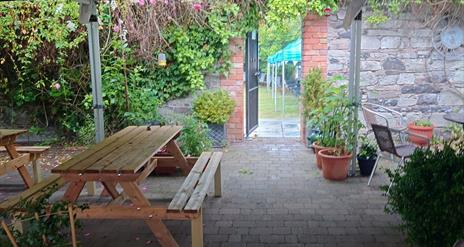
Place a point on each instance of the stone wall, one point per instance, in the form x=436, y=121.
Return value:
x=400, y=68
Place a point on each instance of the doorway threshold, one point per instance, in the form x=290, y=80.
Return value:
x=289, y=128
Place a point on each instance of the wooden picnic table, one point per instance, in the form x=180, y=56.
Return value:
x=126, y=158
x=17, y=162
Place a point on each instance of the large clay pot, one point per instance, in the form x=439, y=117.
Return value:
x=334, y=167
x=420, y=130
x=318, y=148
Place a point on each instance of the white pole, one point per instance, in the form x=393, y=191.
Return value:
x=267, y=76
x=275, y=87
x=355, y=57
x=283, y=89
x=95, y=68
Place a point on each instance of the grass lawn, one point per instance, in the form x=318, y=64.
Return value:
x=266, y=104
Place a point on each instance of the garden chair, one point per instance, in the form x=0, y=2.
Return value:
x=398, y=152
x=381, y=115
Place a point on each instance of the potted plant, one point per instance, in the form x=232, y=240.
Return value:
x=214, y=108
x=337, y=128
x=314, y=86
x=367, y=156
x=422, y=128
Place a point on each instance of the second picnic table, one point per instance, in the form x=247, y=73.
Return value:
x=18, y=162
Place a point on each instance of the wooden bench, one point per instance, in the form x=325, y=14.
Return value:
x=35, y=152
x=32, y=193
x=193, y=191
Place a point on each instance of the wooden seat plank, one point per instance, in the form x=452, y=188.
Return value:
x=186, y=190
x=104, y=147
x=199, y=194
x=119, y=149
x=142, y=153
x=33, y=192
x=28, y=149
x=124, y=150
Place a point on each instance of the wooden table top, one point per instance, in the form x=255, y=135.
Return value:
x=11, y=132
x=124, y=152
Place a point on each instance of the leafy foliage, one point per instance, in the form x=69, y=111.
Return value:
x=427, y=193
x=423, y=123
x=43, y=218
x=314, y=86
x=194, y=138
x=367, y=149
x=431, y=10
x=282, y=10
x=214, y=106
x=272, y=38
x=331, y=111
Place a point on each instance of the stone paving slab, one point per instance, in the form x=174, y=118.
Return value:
x=273, y=195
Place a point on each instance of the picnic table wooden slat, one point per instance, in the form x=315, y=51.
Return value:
x=101, y=148
x=195, y=201
x=10, y=132
x=182, y=196
x=142, y=153
x=123, y=150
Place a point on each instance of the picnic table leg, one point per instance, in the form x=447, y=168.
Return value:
x=110, y=189
x=91, y=188
x=36, y=167
x=73, y=191
x=21, y=169
x=197, y=230
x=218, y=182
x=157, y=226
x=179, y=157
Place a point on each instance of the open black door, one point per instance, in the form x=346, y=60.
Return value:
x=251, y=72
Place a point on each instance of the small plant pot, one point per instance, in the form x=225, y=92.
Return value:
x=218, y=134
x=420, y=130
x=366, y=165
x=334, y=167
x=316, y=149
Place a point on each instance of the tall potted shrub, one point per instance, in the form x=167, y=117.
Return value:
x=336, y=133
x=312, y=98
x=214, y=108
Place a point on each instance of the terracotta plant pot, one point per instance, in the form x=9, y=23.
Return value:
x=420, y=130
x=318, y=148
x=334, y=167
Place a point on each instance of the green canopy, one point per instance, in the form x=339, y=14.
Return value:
x=291, y=52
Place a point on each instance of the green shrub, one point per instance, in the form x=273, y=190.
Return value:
x=86, y=133
x=423, y=123
x=427, y=193
x=214, y=107
x=367, y=149
x=194, y=137
x=314, y=86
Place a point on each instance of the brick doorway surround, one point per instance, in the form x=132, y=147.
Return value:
x=314, y=45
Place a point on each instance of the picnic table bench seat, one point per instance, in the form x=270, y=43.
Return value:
x=34, y=154
x=32, y=193
x=194, y=189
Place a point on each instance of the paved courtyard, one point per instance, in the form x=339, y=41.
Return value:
x=273, y=195
x=289, y=127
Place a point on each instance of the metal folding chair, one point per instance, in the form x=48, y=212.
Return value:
x=398, y=153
